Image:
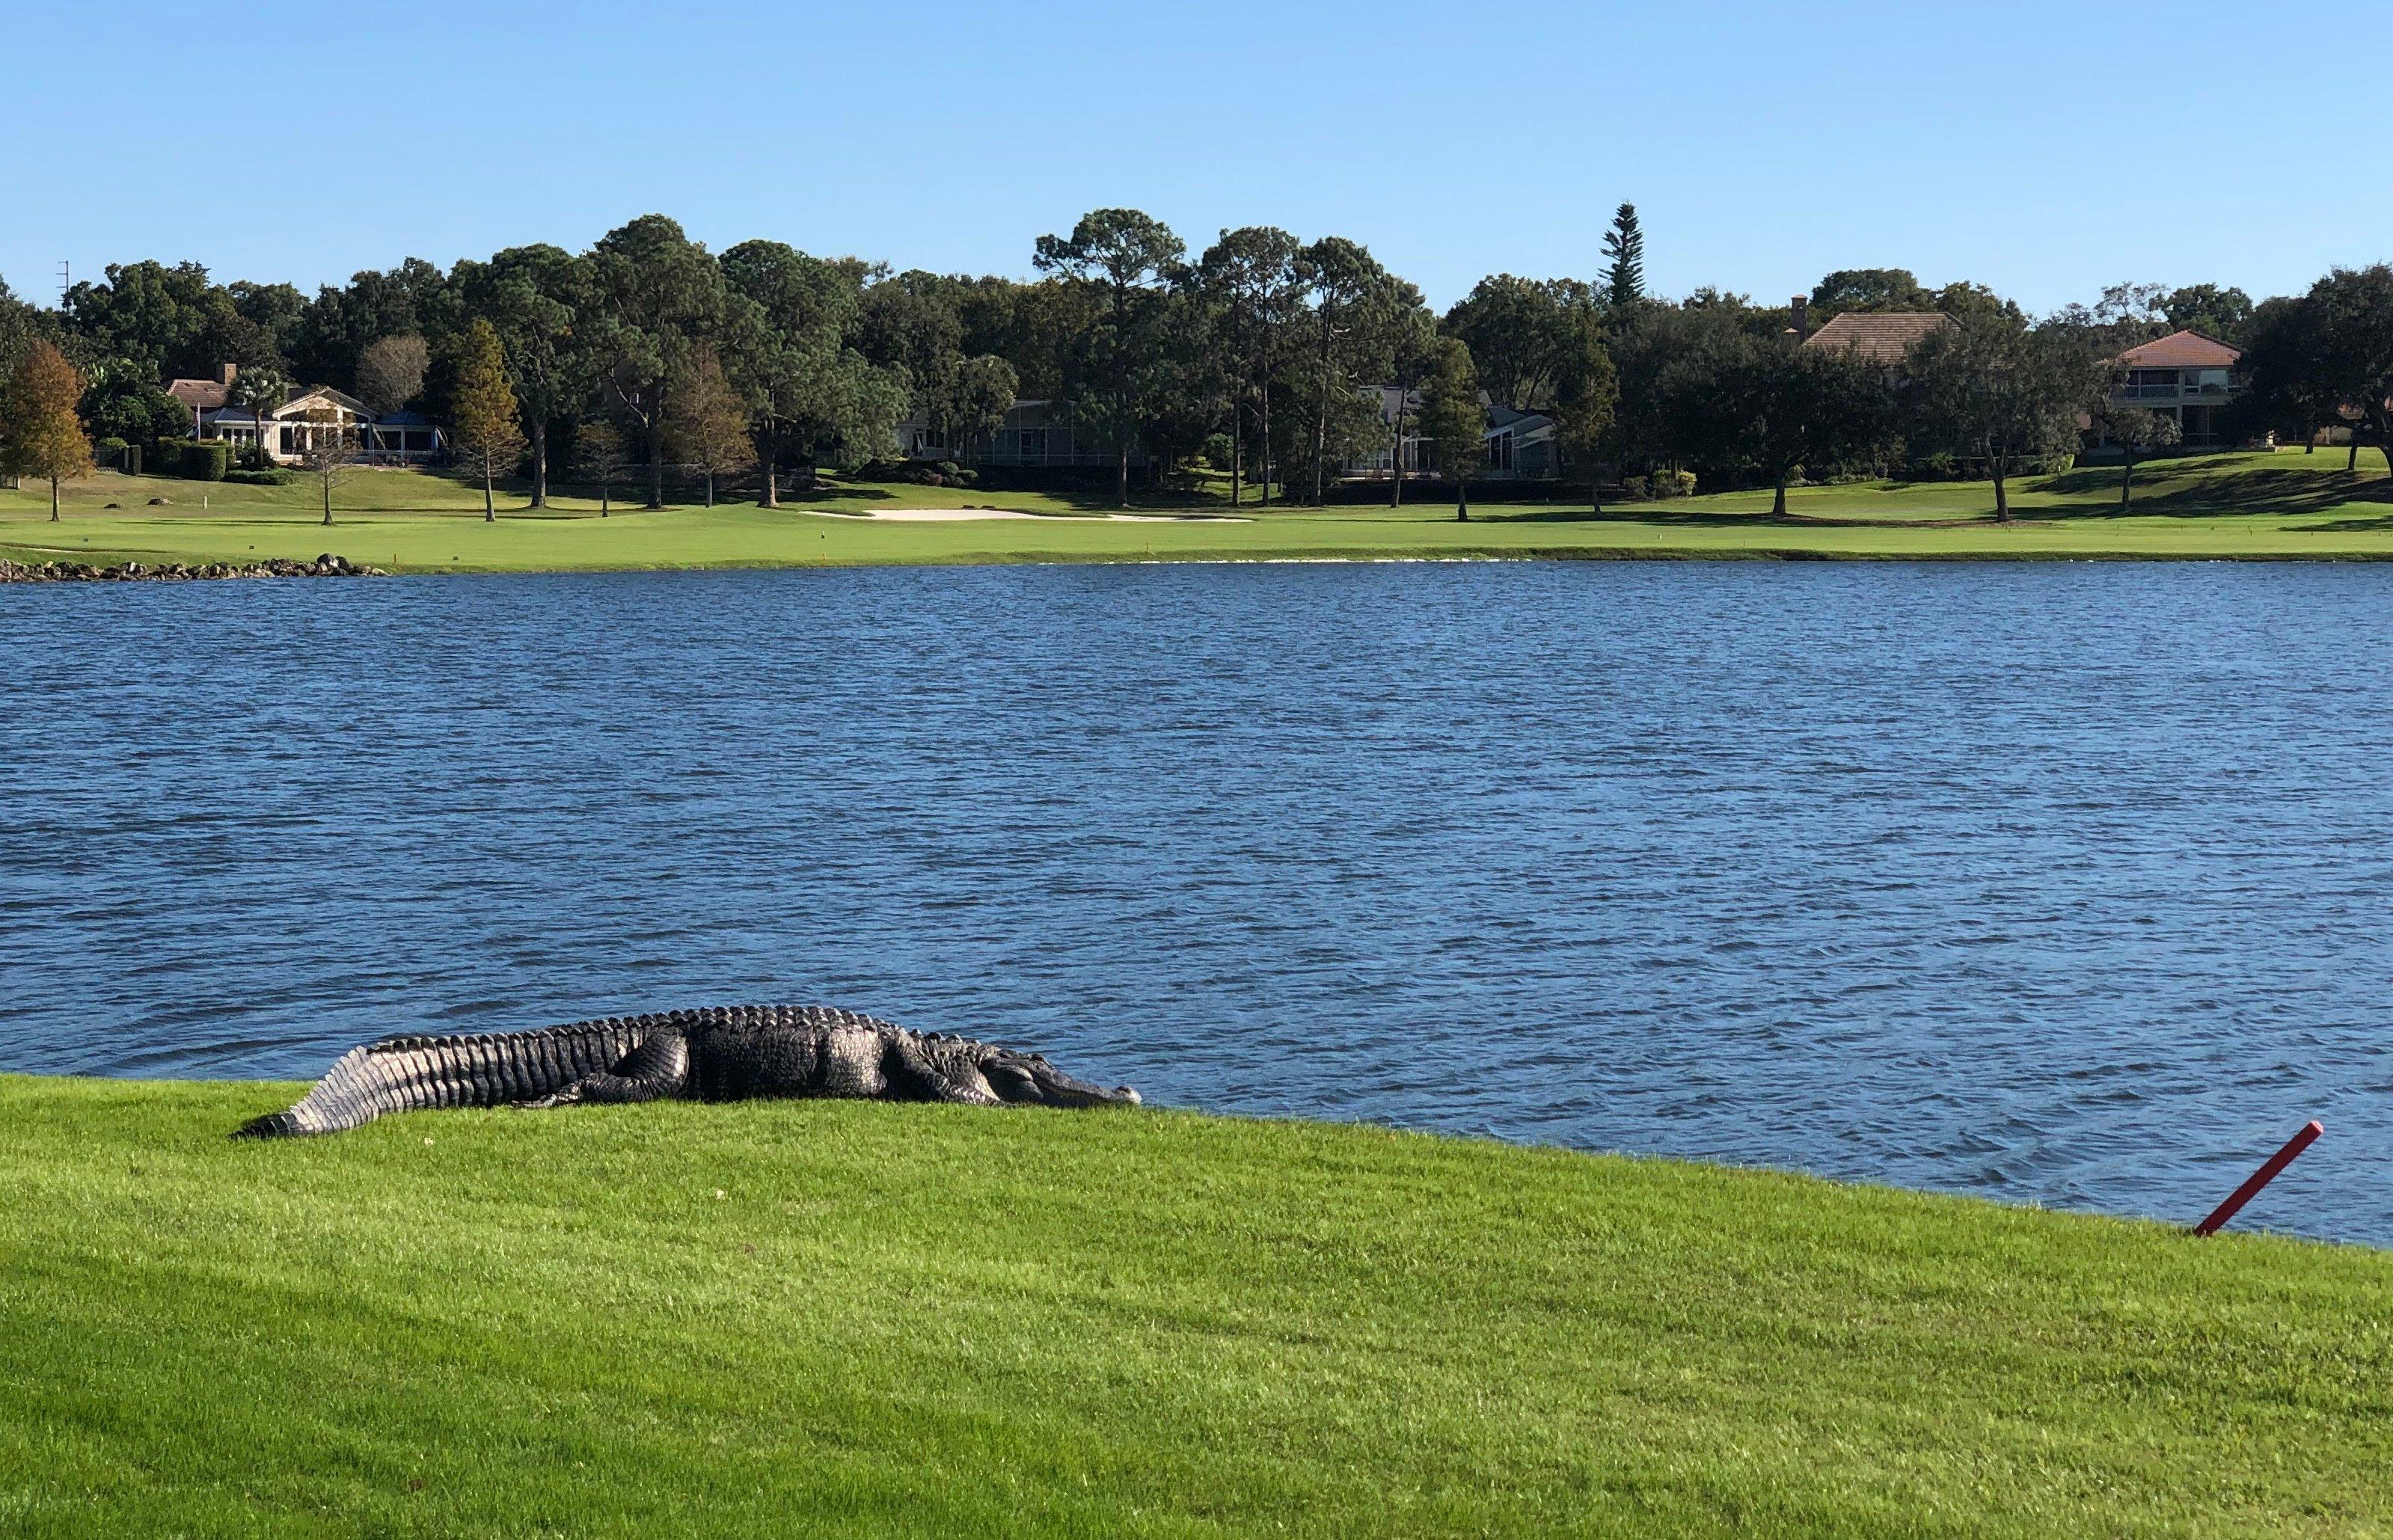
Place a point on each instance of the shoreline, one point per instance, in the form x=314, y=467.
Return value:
x=274, y=1094
x=16, y=571
x=445, y=1321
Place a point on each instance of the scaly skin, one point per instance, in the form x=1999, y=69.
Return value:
x=719, y=1054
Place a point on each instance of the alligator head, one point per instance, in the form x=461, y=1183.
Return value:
x=1029, y=1077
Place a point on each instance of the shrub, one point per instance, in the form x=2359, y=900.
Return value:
x=1635, y=488
x=1674, y=483
x=260, y=479
x=109, y=452
x=194, y=460
x=1218, y=451
x=911, y=472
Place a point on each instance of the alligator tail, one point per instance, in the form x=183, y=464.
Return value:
x=407, y=1073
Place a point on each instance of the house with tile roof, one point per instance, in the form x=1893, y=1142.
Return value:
x=1884, y=337
x=2185, y=377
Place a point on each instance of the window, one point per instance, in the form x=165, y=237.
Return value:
x=1034, y=443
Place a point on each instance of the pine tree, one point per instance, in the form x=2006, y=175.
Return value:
x=1452, y=418
x=484, y=409
x=1624, y=250
x=40, y=435
x=708, y=425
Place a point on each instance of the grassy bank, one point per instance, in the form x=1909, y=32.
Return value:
x=825, y=1318
x=2278, y=506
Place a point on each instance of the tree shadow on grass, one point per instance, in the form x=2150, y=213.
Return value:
x=2209, y=488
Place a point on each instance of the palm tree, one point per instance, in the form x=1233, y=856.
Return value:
x=261, y=391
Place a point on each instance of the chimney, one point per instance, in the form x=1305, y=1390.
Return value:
x=1800, y=307
x=227, y=373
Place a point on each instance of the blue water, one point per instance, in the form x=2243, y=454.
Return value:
x=2061, y=884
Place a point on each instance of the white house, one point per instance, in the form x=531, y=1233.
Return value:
x=398, y=437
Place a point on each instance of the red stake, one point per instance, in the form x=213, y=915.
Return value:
x=2261, y=1178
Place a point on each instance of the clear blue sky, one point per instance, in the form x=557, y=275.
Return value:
x=2044, y=148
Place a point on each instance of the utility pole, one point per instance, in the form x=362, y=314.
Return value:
x=66, y=282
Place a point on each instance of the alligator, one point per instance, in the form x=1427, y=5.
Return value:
x=719, y=1054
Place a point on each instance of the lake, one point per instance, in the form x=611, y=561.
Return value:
x=2064, y=884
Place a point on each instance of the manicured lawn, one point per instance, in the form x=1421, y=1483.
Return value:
x=2286, y=505
x=822, y=1318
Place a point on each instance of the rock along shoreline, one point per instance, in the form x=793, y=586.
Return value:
x=326, y=565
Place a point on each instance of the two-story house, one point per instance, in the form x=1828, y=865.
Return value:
x=2186, y=376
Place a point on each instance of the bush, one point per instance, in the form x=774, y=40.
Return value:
x=1635, y=488
x=1218, y=451
x=260, y=479
x=109, y=452
x=1674, y=483
x=193, y=460
x=913, y=473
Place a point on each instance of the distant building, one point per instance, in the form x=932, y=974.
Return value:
x=1036, y=434
x=397, y=437
x=1883, y=337
x=2185, y=377
x=1517, y=446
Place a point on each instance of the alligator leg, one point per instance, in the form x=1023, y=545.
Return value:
x=914, y=1072
x=658, y=1068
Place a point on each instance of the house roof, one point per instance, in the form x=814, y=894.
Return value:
x=1881, y=336
x=2181, y=350
x=341, y=398
x=201, y=395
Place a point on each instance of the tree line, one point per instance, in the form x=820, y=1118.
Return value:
x=1253, y=357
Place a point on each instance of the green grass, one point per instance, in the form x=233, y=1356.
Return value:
x=2250, y=505
x=833, y=1318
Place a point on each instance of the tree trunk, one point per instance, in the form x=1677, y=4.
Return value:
x=1266, y=443
x=1595, y=490
x=709, y=488
x=1778, y=500
x=2126, y=481
x=656, y=463
x=2002, y=493
x=1321, y=417
x=1462, y=502
x=2352, y=459
x=772, y=475
x=327, y=482
x=489, y=506
x=540, y=463
x=53, y=500
x=1237, y=458
x=1396, y=457
x=605, y=489
x=1122, y=472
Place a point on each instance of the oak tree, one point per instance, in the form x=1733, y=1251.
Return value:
x=40, y=434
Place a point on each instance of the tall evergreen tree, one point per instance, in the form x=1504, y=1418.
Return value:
x=658, y=292
x=1452, y=417
x=1253, y=277
x=535, y=297
x=483, y=407
x=1128, y=256
x=1624, y=253
x=40, y=435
